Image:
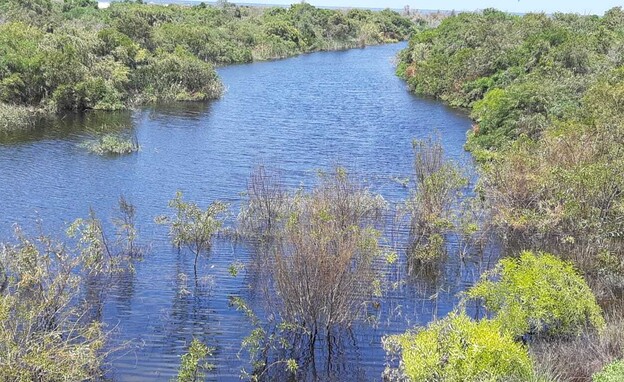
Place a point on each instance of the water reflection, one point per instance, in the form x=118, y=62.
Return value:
x=71, y=127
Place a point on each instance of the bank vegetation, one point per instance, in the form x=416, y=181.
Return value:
x=70, y=56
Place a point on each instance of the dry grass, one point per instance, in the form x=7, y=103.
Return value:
x=577, y=359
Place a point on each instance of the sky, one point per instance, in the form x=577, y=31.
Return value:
x=522, y=6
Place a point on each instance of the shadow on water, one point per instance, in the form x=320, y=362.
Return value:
x=179, y=110
x=71, y=126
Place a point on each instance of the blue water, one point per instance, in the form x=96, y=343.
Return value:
x=296, y=116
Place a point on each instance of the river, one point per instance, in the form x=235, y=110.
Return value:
x=297, y=116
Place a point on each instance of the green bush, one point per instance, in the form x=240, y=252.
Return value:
x=458, y=349
x=538, y=294
x=72, y=56
x=613, y=372
x=112, y=144
x=193, y=364
x=178, y=76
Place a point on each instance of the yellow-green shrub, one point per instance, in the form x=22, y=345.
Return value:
x=538, y=294
x=458, y=348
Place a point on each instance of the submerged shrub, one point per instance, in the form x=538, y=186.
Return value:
x=438, y=185
x=458, y=348
x=99, y=254
x=538, y=294
x=613, y=372
x=192, y=226
x=267, y=208
x=316, y=252
x=44, y=335
x=323, y=268
x=193, y=364
x=112, y=144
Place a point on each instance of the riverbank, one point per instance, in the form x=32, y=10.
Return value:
x=545, y=96
x=73, y=57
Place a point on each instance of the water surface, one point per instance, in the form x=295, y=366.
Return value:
x=297, y=115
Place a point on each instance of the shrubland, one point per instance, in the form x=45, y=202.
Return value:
x=545, y=94
x=59, y=57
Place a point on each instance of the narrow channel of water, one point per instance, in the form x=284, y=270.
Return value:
x=297, y=116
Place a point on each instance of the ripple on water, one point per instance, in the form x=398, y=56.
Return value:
x=296, y=115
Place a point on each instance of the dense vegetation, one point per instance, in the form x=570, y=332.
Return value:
x=458, y=348
x=70, y=56
x=539, y=296
x=545, y=93
x=613, y=372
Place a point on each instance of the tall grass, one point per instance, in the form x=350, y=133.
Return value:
x=14, y=118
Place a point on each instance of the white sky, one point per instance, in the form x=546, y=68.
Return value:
x=548, y=6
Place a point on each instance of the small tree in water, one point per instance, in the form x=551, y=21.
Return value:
x=126, y=228
x=193, y=364
x=193, y=227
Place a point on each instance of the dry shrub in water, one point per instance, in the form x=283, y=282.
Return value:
x=322, y=248
x=43, y=334
x=268, y=206
x=323, y=267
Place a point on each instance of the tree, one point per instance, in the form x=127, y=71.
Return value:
x=193, y=227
